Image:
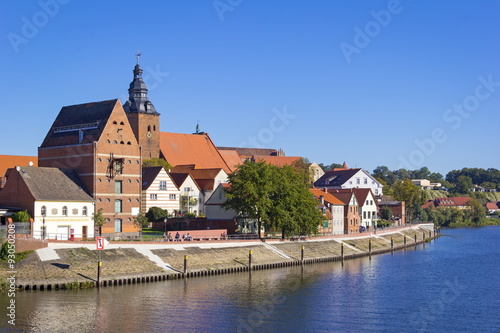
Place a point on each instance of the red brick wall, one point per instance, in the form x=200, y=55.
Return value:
x=91, y=163
x=351, y=220
x=23, y=244
x=16, y=194
x=141, y=123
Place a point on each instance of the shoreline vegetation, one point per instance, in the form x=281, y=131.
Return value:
x=77, y=267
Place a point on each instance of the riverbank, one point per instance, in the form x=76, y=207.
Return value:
x=65, y=266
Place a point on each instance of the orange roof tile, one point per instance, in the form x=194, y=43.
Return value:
x=326, y=196
x=276, y=160
x=231, y=157
x=10, y=161
x=198, y=149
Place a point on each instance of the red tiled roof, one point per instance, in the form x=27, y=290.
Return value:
x=326, y=196
x=276, y=160
x=180, y=178
x=231, y=157
x=344, y=196
x=491, y=205
x=198, y=149
x=10, y=161
x=361, y=194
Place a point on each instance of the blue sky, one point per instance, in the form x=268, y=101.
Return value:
x=396, y=83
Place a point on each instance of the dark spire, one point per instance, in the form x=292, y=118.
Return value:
x=138, y=93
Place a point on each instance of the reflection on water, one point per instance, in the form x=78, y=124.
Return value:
x=423, y=289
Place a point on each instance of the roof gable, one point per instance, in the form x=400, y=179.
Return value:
x=326, y=196
x=79, y=124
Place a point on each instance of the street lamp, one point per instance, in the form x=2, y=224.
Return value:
x=165, y=220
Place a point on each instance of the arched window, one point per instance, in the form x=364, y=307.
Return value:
x=149, y=128
x=65, y=211
x=44, y=210
x=121, y=123
x=154, y=127
x=84, y=211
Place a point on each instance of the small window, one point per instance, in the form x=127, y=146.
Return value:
x=129, y=143
x=118, y=167
x=149, y=128
x=44, y=211
x=98, y=199
x=137, y=162
x=163, y=185
x=129, y=161
x=107, y=220
x=173, y=196
x=107, y=180
x=118, y=186
x=129, y=219
x=129, y=181
x=136, y=200
x=115, y=142
x=366, y=181
x=154, y=127
x=118, y=225
x=107, y=160
x=114, y=122
x=65, y=211
x=84, y=211
x=107, y=200
x=137, y=180
x=107, y=141
x=121, y=123
x=99, y=159
x=153, y=196
x=98, y=180
x=118, y=206
x=128, y=200
x=122, y=143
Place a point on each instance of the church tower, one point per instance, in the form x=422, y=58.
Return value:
x=142, y=116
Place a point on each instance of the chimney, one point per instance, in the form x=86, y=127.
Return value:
x=321, y=199
x=325, y=190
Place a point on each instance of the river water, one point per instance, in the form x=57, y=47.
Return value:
x=449, y=285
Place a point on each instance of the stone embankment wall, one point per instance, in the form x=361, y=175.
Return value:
x=78, y=267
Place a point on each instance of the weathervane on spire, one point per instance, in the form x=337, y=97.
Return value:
x=138, y=55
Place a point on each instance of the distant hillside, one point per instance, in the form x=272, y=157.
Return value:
x=433, y=194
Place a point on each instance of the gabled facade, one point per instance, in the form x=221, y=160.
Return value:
x=344, y=178
x=351, y=210
x=96, y=140
x=213, y=210
x=368, y=208
x=190, y=195
x=55, y=198
x=335, y=207
x=159, y=190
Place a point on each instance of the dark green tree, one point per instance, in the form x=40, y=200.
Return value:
x=250, y=191
x=386, y=213
x=156, y=162
x=463, y=185
x=22, y=216
x=156, y=214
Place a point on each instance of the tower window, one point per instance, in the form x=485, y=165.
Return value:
x=154, y=127
x=129, y=143
x=149, y=128
x=121, y=123
x=114, y=122
x=122, y=143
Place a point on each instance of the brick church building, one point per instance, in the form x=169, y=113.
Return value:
x=106, y=143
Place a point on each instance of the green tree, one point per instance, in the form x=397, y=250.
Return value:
x=22, y=216
x=386, y=213
x=478, y=212
x=156, y=162
x=156, y=214
x=463, y=185
x=98, y=220
x=250, y=191
x=141, y=221
x=293, y=209
x=412, y=195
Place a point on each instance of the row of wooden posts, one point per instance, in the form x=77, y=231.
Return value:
x=436, y=231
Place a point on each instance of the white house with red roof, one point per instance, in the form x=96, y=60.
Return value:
x=213, y=209
x=334, y=207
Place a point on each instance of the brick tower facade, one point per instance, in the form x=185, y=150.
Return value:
x=142, y=116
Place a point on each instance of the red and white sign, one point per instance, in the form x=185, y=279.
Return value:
x=72, y=233
x=101, y=243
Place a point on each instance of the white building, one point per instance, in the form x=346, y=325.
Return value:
x=213, y=210
x=344, y=178
x=191, y=197
x=159, y=190
x=55, y=198
x=336, y=208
